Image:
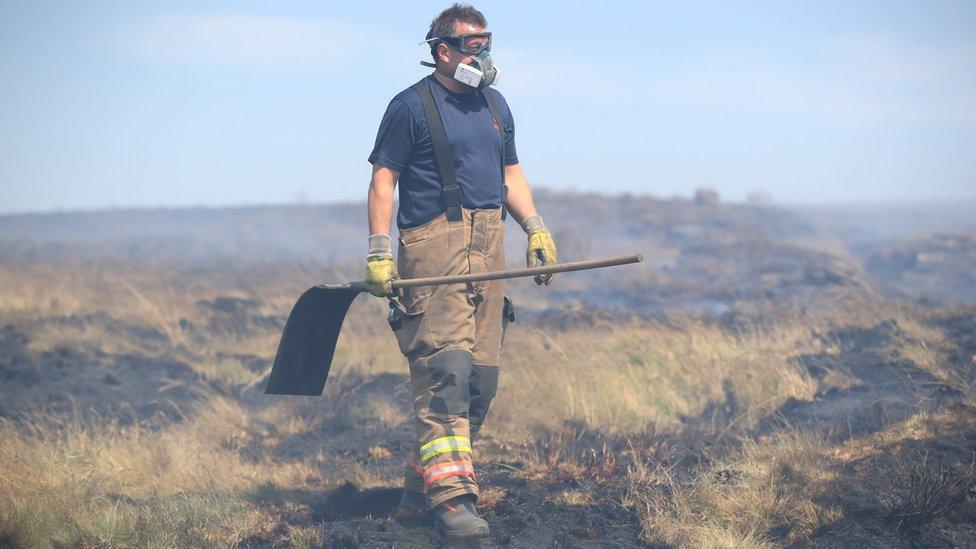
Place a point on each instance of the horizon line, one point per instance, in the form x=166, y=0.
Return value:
x=788, y=204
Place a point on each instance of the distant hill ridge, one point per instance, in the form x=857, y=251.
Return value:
x=338, y=231
x=701, y=254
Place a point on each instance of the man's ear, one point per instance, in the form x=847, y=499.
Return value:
x=443, y=52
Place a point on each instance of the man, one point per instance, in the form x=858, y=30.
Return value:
x=453, y=160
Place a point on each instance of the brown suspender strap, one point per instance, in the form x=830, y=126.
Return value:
x=442, y=150
x=497, y=115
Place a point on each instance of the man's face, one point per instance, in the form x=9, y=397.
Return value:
x=449, y=57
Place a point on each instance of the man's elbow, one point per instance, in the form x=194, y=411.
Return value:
x=381, y=190
x=383, y=181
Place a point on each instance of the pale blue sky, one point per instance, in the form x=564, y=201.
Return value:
x=193, y=103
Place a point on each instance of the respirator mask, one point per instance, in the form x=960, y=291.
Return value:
x=481, y=72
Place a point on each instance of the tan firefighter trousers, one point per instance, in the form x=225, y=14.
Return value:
x=451, y=335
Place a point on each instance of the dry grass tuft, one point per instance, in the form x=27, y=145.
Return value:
x=642, y=373
x=917, y=490
x=758, y=495
x=115, y=485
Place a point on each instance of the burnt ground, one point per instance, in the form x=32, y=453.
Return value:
x=519, y=506
x=884, y=387
x=85, y=382
x=937, y=267
x=58, y=366
x=564, y=490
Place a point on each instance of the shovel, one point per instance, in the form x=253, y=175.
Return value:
x=308, y=341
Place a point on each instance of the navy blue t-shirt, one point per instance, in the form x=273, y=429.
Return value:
x=403, y=144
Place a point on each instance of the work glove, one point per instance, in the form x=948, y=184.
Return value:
x=380, y=268
x=541, y=249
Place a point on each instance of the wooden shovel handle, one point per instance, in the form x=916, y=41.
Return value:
x=518, y=273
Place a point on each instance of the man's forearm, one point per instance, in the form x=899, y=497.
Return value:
x=519, y=203
x=380, y=207
x=379, y=200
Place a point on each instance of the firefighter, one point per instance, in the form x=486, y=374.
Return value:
x=449, y=141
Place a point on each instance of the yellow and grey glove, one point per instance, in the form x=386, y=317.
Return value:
x=380, y=268
x=541, y=249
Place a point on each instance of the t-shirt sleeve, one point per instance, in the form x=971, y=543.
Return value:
x=511, y=157
x=395, y=138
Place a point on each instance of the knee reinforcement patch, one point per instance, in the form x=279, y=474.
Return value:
x=484, y=383
x=451, y=372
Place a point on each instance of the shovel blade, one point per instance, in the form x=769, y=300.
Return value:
x=308, y=341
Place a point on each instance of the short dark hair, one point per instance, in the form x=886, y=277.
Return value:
x=443, y=24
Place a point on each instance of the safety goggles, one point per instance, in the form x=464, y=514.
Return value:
x=471, y=44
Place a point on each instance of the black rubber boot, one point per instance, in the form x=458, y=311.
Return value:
x=457, y=518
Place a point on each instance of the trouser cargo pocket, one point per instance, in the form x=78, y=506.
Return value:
x=405, y=318
x=411, y=302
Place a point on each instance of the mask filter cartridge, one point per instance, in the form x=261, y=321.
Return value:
x=481, y=73
x=466, y=74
